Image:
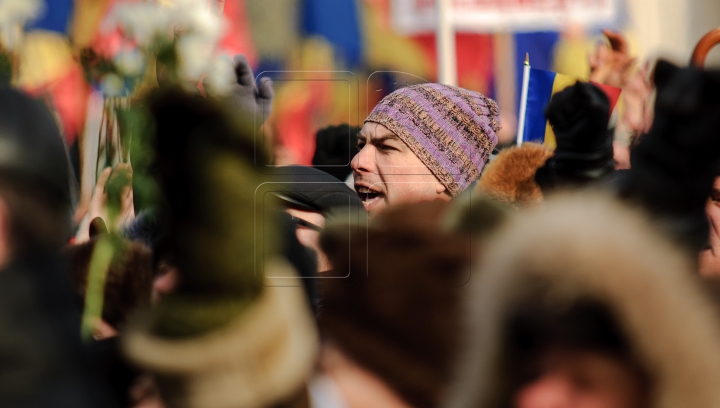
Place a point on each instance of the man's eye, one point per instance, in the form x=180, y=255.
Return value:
x=715, y=196
x=386, y=147
x=360, y=145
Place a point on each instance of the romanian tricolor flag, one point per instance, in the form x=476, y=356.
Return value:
x=538, y=87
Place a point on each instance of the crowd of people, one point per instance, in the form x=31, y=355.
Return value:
x=414, y=264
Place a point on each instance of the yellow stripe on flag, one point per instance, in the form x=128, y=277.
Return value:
x=561, y=82
x=45, y=56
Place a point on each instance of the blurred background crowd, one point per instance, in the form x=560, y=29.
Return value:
x=359, y=203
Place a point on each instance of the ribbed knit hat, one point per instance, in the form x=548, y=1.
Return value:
x=450, y=129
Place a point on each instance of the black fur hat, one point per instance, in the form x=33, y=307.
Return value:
x=579, y=116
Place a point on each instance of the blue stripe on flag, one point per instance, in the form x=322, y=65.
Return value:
x=56, y=16
x=539, y=93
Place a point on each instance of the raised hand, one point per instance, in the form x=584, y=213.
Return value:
x=253, y=104
x=611, y=65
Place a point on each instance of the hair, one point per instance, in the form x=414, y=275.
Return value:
x=397, y=315
x=536, y=327
x=37, y=218
x=335, y=146
x=128, y=282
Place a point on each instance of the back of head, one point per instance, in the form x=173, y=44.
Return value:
x=128, y=280
x=34, y=178
x=510, y=177
x=395, y=314
x=31, y=146
x=588, y=274
x=675, y=164
x=335, y=146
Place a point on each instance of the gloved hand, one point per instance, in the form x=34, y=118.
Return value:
x=252, y=104
x=579, y=116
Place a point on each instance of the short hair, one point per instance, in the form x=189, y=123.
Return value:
x=128, y=282
x=37, y=218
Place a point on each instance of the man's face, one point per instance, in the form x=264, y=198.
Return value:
x=580, y=379
x=709, y=259
x=308, y=227
x=387, y=172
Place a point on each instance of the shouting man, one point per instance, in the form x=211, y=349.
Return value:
x=423, y=143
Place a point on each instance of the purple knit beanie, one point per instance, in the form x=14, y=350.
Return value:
x=450, y=129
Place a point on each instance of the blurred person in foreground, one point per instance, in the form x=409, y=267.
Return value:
x=391, y=327
x=128, y=282
x=422, y=143
x=309, y=196
x=584, y=304
x=42, y=360
x=674, y=166
x=227, y=336
x=709, y=259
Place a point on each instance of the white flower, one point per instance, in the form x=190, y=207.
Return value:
x=19, y=11
x=193, y=26
x=130, y=62
x=194, y=54
x=220, y=76
x=141, y=21
x=112, y=85
x=14, y=14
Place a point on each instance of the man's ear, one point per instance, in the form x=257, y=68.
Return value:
x=5, y=234
x=440, y=188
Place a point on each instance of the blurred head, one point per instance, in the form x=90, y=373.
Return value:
x=128, y=282
x=583, y=379
x=709, y=259
x=422, y=143
x=572, y=357
x=309, y=195
x=394, y=317
x=335, y=146
x=583, y=304
x=34, y=179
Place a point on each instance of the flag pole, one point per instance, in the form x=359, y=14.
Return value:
x=523, y=99
x=445, y=43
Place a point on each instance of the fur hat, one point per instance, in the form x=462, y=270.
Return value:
x=582, y=248
x=510, y=177
x=451, y=130
x=259, y=359
x=579, y=116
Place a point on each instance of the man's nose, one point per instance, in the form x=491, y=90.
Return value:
x=363, y=160
x=549, y=391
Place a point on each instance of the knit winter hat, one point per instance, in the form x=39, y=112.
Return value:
x=450, y=129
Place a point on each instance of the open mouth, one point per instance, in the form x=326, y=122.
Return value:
x=367, y=195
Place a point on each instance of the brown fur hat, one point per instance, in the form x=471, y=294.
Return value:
x=582, y=247
x=510, y=177
x=128, y=282
x=396, y=313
